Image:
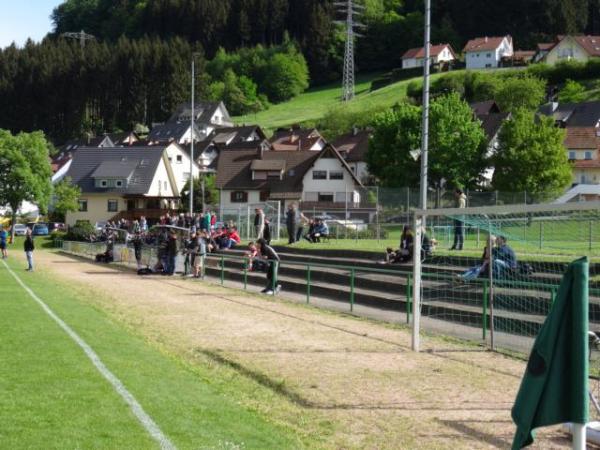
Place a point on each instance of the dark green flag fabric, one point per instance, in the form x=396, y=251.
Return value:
x=554, y=388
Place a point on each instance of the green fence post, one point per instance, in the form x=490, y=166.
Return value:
x=222, y=270
x=552, y=296
x=274, y=280
x=485, y=302
x=352, y=275
x=246, y=263
x=307, y=284
x=408, y=296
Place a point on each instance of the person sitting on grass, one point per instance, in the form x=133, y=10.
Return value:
x=320, y=230
x=407, y=240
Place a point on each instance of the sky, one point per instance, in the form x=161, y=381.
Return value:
x=22, y=19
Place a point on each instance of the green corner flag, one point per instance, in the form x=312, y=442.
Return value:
x=554, y=388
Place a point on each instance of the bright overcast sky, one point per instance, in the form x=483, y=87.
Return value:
x=22, y=19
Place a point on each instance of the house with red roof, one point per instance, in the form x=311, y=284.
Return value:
x=440, y=54
x=487, y=52
x=567, y=48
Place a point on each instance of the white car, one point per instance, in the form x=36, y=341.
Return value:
x=99, y=226
x=20, y=229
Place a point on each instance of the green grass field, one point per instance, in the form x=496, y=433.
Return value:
x=54, y=398
x=315, y=103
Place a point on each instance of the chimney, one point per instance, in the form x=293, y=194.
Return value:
x=486, y=39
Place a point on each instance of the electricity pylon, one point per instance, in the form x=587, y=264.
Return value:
x=352, y=10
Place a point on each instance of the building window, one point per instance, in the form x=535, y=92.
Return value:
x=165, y=185
x=119, y=183
x=179, y=159
x=103, y=183
x=572, y=155
x=186, y=176
x=274, y=175
x=259, y=175
x=336, y=175
x=239, y=197
x=326, y=197
x=264, y=196
x=319, y=174
x=83, y=206
x=113, y=206
x=489, y=55
x=588, y=155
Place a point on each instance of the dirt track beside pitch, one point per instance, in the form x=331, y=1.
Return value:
x=356, y=378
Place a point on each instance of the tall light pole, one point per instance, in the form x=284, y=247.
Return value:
x=192, y=134
x=420, y=220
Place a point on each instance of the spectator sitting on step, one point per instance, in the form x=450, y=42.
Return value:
x=481, y=268
x=407, y=240
x=231, y=239
x=504, y=259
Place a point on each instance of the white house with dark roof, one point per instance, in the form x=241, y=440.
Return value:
x=122, y=182
x=487, y=52
x=248, y=177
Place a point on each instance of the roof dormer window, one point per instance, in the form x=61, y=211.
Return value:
x=103, y=183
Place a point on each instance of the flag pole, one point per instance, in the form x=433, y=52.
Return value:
x=579, y=436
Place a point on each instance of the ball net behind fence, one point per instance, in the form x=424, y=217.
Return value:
x=501, y=296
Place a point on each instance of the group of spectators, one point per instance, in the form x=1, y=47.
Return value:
x=296, y=221
x=28, y=246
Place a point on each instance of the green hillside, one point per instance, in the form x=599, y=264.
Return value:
x=314, y=103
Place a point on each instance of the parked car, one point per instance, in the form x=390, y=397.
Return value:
x=20, y=229
x=40, y=229
x=30, y=225
x=100, y=225
x=58, y=226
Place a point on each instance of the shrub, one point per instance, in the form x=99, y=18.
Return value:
x=81, y=231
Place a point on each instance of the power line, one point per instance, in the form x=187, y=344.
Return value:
x=352, y=10
x=81, y=36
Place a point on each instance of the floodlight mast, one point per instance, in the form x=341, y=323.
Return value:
x=350, y=8
x=420, y=220
x=81, y=36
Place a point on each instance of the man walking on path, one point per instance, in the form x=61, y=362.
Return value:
x=29, y=248
x=459, y=228
x=3, y=243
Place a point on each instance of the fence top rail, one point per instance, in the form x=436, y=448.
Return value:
x=326, y=266
x=509, y=209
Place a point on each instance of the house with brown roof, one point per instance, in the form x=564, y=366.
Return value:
x=299, y=139
x=353, y=147
x=440, y=54
x=249, y=177
x=568, y=48
x=487, y=52
x=582, y=144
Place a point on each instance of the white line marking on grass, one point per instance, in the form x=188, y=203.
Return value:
x=146, y=421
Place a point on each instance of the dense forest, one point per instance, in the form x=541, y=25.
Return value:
x=251, y=53
x=393, y=25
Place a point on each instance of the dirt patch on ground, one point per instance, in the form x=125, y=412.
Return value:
x=357, y=376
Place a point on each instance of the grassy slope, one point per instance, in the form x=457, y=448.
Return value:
x=54, y=398
x=314, y=103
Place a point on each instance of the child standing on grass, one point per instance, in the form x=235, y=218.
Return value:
x=3, y=239
x=29, y=248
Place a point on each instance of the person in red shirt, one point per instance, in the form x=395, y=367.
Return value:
x=232, y=239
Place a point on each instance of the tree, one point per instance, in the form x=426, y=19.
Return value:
x=457, y=143
x=66, y=196
x=531, y=157
x=456, y=150
x=520, y=92
x=25, y=171
x=211, y=193
x=395, y=134
x=572, y=92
